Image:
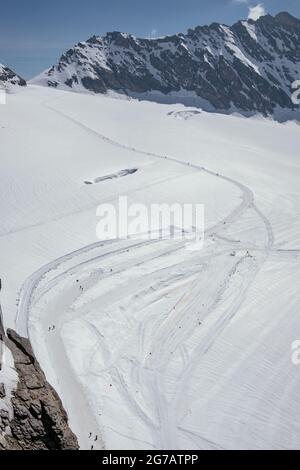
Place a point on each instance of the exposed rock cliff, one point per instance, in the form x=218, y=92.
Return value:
x=32, y=417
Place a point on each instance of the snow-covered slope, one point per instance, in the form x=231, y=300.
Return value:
x=9, y=80
x=248, y=67
x=162, y=347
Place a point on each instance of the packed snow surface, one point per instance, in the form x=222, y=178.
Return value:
x=151, y=345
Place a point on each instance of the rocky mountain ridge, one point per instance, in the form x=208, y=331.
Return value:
x=250, y=66
x=9, y=80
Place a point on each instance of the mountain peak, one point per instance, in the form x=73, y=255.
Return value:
x=285, y=18
x=9, y=80
x=249, y=66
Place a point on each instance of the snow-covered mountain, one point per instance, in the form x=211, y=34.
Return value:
x=249, y=66
x=9, y=80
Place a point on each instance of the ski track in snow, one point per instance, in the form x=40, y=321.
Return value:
x=168, y=406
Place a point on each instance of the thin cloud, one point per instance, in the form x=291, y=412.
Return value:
x=256, y=12
x=153, y=34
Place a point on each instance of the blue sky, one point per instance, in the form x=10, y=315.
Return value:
x=34, y=33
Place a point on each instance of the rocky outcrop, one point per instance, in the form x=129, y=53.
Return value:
x=38, y=421
x=249, y=67
x=9, y=80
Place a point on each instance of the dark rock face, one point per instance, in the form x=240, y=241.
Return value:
x=249, y=67
x=39, y=421
x=9, y=79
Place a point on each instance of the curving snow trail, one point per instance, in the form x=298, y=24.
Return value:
x=178, y=293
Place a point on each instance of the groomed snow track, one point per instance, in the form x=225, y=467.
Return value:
x=199, y=293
